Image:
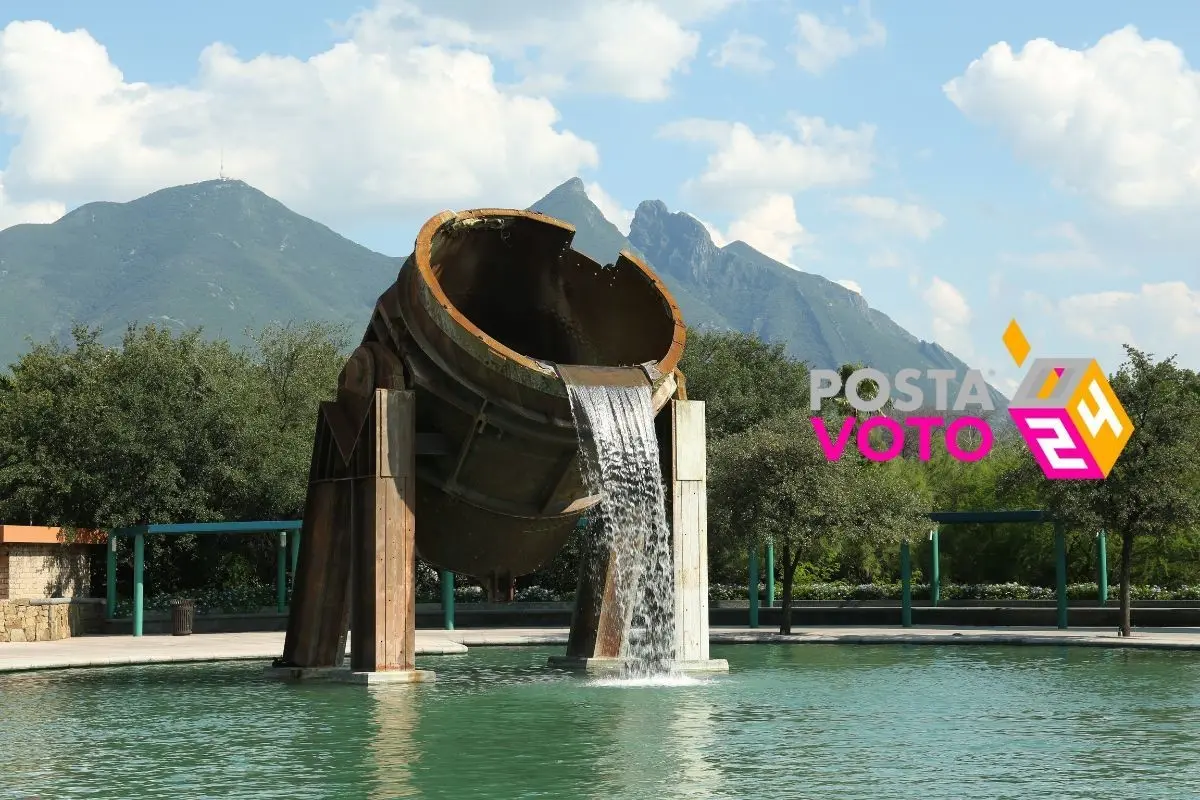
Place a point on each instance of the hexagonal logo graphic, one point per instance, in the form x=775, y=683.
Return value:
x=1068, y=414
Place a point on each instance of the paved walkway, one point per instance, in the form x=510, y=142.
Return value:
x=94, y=651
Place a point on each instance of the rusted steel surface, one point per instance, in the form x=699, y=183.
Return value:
x=488, y=309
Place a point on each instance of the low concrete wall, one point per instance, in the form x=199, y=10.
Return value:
x=967, y=616
x=44, y=620
x=1015, y=613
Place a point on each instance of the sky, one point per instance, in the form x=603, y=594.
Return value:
x=959, y=164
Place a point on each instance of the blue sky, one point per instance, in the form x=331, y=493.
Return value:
x=956, y=182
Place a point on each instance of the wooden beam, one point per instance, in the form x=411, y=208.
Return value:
x=320, y=593
x=384, y=606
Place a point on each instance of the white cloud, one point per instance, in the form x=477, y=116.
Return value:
x=375, y=124
x=1163, y=318
x=38, y=211
x=631, y=48
x=1078, y=254
x=951, y=315
x=771, y=228
x=906, y=218
x=851, y=285
x=717, y=237
x=610, y=207
x=744, y=53
x=820, y=45
x=745, y=166
x=885, y=259
x=1119, y=121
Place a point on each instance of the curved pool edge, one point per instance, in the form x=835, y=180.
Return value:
x=117, y=651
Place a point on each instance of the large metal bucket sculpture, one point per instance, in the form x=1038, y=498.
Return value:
x=452, y=412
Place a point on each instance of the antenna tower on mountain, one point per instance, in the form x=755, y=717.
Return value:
x=221, y=170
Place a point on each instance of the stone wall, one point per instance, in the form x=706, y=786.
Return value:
x=30, y=571
x=47, y=620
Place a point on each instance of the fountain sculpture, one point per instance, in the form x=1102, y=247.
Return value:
x=456, y=436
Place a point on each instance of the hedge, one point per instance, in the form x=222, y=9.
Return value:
x=253, y=598
x=953, y=591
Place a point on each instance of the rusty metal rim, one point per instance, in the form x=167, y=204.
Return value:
x=422, y=255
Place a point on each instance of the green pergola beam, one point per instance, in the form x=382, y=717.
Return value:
x=288, y=531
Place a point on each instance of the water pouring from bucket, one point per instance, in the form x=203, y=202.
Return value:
x=621, y=464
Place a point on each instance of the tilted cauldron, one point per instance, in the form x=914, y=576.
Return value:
x=488, y=306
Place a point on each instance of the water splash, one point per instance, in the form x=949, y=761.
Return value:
x=620, y=463
x=654, y=681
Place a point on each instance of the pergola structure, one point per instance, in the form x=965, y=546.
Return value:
x=938, y=518
x=289, y=539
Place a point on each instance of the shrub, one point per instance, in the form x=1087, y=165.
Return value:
x=833, y=591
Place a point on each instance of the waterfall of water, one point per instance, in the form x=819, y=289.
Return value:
x=620, y=463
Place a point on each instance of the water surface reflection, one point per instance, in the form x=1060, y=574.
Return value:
x=792, y=722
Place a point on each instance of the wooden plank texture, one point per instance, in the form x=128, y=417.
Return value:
x=385, y=610
x=689, y=529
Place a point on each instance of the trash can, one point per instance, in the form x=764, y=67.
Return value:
x=182, y=613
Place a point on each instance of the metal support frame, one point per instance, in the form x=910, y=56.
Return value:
x=752, y=587
x=447, y=580
x=935, y=578
x=1035, y=516
x=139, y=574
x=110, y=571
x=1060, y=573
x=1102, y=567
x=935, y=569
x=770, y=575
x=281, y=565
x=288, y=532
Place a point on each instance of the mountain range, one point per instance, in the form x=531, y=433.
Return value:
x=222, y=255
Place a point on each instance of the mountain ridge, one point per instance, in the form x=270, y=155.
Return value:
x=736, y=287
x=224, y=256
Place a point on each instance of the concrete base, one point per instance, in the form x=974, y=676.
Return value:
x=615, y=666
x=345, y=675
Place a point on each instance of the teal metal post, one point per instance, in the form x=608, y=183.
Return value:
x=447, y=599
x=110, y=577
x=139, y=574
x=294, y=546
x=1060, y=573
x=1102, y=568
x=905, y=586
x=281, y=554
x=753, y=588
x=935, y=572
x=770, y=575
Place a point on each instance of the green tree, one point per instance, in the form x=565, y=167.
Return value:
x=1151, y=491
x=775, y=484
x=165, y=428
x=867, y=390
x=295, y=368
x=741, y=379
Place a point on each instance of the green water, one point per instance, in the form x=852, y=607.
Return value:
x=788, y=722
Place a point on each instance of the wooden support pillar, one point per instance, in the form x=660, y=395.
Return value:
x=602, y=610
x=384, y=607
x=689, y=528
x=601, y=618
x=320, y=587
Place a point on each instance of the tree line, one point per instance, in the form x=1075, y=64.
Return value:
x=177, y=427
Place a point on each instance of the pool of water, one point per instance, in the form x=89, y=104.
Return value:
x=815, y=721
